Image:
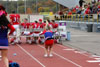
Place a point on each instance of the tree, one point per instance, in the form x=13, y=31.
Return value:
x=29, y=11
x=40, y=9
x=21, y=9
x=46, y=5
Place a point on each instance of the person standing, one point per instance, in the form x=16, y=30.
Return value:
x=4, y=27
x=81, y=3
x=49, y=41
x=15, y=21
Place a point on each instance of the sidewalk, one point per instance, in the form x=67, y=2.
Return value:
x=88, y=41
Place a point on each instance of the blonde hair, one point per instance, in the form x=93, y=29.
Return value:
x=47, y=27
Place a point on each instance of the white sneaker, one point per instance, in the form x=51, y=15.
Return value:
x=46, y=55
x=30, y=41
x=0, y=58
x=50, y=55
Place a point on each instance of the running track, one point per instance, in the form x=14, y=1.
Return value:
x=32, y=56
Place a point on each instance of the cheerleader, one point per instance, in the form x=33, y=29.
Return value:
x=49, y=41
x=4, y=26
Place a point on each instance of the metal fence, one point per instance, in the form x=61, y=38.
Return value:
x=78, y=17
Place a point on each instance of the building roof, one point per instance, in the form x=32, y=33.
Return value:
x=68, y=3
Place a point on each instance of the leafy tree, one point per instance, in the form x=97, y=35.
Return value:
x=29, y=11
x=47, y=5
x=21, y=9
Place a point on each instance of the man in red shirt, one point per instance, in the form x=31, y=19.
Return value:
x=54, y=24
x=26, y=25
x=23, y=25
x=15, y=21
x=87, y=11
x=36, y=32
x=41, y=25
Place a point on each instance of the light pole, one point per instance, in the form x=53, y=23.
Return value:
x=36, y=6
x=25, y=5
x=7, y=5
x=17, y=6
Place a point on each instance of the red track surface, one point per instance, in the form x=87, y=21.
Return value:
x=32, y=56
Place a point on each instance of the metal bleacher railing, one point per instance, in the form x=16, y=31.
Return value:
x=78, y=17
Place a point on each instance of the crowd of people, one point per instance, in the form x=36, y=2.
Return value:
x=89, y=8
x=84, y=9
x=34, y=30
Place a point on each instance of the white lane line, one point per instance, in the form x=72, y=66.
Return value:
x=64, y=58
x=69, y=49
x=31, y=56
x=97, y=58
x=94, y=56
x=93, y=61
x=80, y=52
x=67, y=60
x=75, y=49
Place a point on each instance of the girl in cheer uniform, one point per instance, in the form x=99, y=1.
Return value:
x=49, y=41
x=4, y=26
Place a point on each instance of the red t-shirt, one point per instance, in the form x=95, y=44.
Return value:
x=87, y=11
x=41, y=25
x=32, y=24
x=27, y=25
x=70, y=13
x=44, y=24
x=77, y=7
x=36, y=25
x=55, y=25
x=15, y=19
x=51, y=24
x=74, y=10
x=23, y=24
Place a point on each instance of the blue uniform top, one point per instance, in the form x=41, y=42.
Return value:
x=4, y=25
x=48, y=34
x=3, y=32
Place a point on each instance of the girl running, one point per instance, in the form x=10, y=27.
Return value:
x=4, y=26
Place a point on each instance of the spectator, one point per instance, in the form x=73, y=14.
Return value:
x=81, y=3
x=87, y=11
x=95, y=9
x=61, y=14
x=70, y=13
